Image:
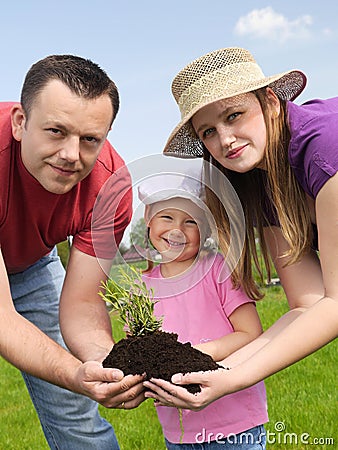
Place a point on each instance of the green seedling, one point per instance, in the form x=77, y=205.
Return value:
x=133, y=301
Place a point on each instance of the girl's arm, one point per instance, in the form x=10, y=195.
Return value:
x=312, y=292
x=246, y=327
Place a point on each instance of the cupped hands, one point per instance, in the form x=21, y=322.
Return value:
x=110, y=387
x=212, y=383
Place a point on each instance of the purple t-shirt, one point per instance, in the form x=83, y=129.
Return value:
x=197, y=306
x=313, y=149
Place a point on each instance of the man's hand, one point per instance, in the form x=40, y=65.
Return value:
x=110, y=387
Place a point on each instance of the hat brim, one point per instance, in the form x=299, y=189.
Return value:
x=169, y=194
x=183, y=141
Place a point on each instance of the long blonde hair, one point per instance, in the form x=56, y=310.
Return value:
x=255, y=189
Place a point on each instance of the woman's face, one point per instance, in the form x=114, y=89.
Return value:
x=234, y=132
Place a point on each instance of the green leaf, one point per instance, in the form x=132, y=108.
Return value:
x=133, y=300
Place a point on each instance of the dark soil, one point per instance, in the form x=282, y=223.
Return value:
x=158, y=355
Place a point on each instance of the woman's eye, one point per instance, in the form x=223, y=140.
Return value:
x=233, y=116
x=207, y=132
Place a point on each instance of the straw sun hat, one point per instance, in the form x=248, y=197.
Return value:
x=215, y=76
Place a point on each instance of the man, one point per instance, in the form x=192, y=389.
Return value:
x=60, y=177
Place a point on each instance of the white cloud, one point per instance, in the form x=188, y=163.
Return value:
x=267, y=24
x=327, y=32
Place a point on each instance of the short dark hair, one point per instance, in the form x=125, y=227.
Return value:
x=82, y=76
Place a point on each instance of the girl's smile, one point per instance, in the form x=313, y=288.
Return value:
x=174, y=242
x=174, y=230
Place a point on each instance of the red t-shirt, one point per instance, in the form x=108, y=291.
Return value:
x=32, y=220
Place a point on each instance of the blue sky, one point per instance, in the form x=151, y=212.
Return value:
x=143, y=44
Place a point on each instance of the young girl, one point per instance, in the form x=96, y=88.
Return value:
x=282, y=159
x=209, y=313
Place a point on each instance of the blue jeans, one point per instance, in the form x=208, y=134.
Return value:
x=69, y=421
x=253, y=439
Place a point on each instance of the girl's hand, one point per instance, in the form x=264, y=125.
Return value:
x=213, y=386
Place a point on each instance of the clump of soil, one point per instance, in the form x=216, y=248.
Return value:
x=158, y=355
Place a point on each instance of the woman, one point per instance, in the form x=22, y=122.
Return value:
x=282, y=160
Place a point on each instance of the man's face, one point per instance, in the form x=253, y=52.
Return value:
x=62, y=138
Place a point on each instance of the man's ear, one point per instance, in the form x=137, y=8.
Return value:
x=18, y=121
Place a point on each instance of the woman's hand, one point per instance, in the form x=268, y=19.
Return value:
x=213, y=386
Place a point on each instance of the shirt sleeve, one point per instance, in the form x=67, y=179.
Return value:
x=109, y=211
x=111, y=214
x=320, y=159
x=313, y=150
x=230, y=297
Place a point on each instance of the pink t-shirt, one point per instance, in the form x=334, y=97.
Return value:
x=197, y=306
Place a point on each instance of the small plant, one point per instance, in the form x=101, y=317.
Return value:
x=133, y=300
x=147, y=349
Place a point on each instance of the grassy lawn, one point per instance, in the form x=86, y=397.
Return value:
x=302, y=399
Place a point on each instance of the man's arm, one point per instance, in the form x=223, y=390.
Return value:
x=85, y=322
x=30, y=350
x=26, y=347
x=84, y=319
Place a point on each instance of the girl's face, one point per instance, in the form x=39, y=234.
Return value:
x=174, y=230
x=234, y=132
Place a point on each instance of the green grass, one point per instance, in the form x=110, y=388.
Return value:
x=19, y=424
x=303, y=397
